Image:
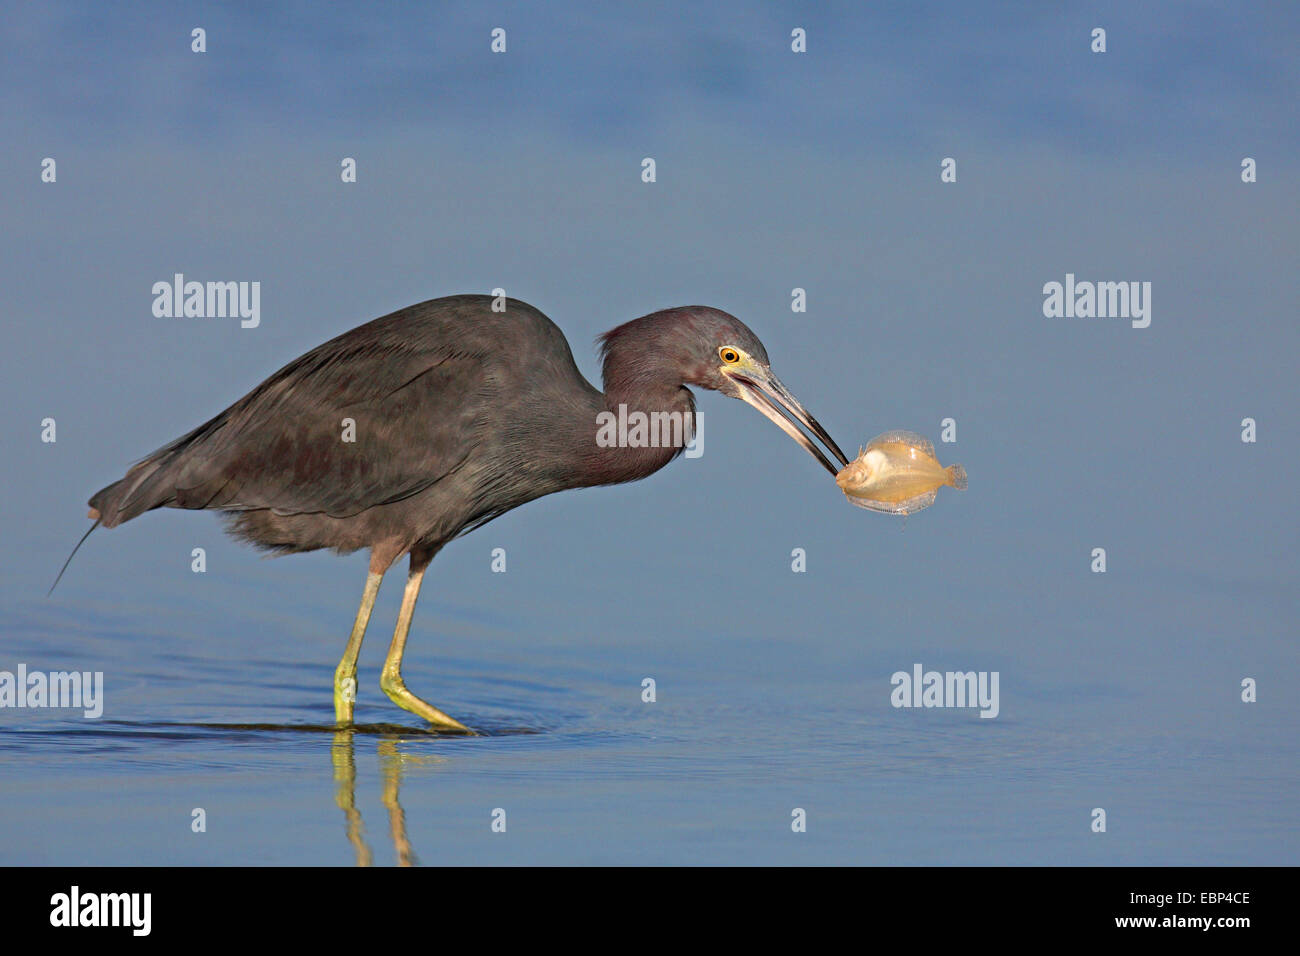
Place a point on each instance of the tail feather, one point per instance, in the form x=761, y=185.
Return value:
x=149, y=483
x=130, y=496
x=70, y=557
x=957, y=477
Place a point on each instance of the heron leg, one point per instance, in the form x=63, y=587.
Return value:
x=345, y=675
x=390, y=678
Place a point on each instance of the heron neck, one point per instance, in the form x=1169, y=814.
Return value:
x=636, y=431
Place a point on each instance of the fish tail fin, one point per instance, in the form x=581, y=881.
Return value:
x=957, y=477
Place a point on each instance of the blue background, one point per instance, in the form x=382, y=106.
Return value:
x=775, y=170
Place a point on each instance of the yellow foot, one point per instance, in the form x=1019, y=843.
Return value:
x=399, y=695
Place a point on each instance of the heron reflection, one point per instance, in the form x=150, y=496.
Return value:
x=392, y=763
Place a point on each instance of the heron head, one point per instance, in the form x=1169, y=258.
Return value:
x=730, y=359
x=697, y=345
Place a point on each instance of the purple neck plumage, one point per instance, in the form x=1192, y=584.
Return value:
x=643, y=377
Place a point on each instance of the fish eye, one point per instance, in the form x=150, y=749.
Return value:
x=728, y=355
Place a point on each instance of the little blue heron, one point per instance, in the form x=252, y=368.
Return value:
x=427, y=423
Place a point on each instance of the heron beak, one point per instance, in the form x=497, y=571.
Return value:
x=760, y=388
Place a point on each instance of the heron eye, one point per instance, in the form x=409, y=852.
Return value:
x=729, y=355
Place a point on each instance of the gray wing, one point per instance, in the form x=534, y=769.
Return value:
x=364, y=428
x=409, y=394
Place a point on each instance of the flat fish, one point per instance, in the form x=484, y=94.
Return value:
x=897, y=473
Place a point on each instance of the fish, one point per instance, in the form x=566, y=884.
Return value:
x=897, y=473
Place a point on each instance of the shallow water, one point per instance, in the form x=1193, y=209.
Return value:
x=746, y=728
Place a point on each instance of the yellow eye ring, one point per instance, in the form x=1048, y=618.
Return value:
x=728, y=355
